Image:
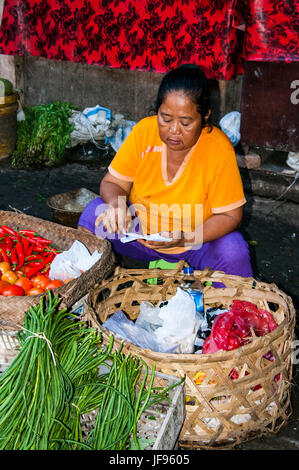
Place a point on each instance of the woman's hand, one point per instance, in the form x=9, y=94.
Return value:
x=177, y=239
x=115, y=219
x=115, y=193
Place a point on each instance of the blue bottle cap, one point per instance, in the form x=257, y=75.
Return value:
x=188, y=270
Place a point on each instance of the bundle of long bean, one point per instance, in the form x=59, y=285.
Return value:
x=55, y=379
x=36, y=389
x=128, y=391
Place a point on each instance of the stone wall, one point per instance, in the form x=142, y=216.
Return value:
x=128, y=92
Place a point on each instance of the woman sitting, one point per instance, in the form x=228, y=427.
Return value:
x=176, y=175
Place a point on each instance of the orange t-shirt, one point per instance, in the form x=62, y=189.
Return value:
x=208, y=181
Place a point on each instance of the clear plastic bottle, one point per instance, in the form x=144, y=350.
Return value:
x=194, y=288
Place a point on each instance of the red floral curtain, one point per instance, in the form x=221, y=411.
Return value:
x=271, y=30
x=131, y=34
x=153, y=35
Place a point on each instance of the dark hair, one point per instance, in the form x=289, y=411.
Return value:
x=191, y=80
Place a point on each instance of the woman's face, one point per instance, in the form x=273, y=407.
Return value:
x=179, y=121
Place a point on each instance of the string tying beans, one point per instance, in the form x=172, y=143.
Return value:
x=41, y=336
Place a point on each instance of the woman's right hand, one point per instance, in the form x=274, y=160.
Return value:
x=114, y=219
x=115, y=192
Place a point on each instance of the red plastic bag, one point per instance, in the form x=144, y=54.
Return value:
x=232, y=329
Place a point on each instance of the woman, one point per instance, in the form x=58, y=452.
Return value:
x=176, y=175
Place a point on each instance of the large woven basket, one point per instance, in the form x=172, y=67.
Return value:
x=222, y=411
x=12, y=308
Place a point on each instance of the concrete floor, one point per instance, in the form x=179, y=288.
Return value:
x=271, y=228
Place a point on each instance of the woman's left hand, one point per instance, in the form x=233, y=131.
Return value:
x=176, y=239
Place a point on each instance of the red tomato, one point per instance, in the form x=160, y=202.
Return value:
x=9, y=276
x=3, y=284
x=4, y=266
x=35, y=291
x=12, y=290
x=19, y=274
x=55, y=283
x=40, y=281
x=24, y=282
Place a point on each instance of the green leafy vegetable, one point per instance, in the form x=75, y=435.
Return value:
x=43, y=136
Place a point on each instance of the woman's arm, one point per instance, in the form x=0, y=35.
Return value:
x=219, y=224
x=115, y=192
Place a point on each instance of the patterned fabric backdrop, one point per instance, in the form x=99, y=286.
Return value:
x=149, y=35
x=272, y=30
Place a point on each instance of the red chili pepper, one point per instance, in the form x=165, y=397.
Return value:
x=52, y=250
x=29, y=250
x=2, y=232
x=26, y=243
x=41, y=265
x=31, y=264
x=28, y=232
x=20, y=254
x=11, y=231
x=46, y=269
x=8, y=242
x=14, y=259
x=4, y=255
x=38, y=248
x=30, y=258
x=40, y=240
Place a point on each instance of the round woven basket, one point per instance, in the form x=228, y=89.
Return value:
x=12, y=308
x=222, y=411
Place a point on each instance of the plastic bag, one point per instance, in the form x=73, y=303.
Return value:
x=121, y=134
x=71, y=263
x=230, y=125
x=232, y=329
x=172, y=322
x=126, y=329
x=293, y=160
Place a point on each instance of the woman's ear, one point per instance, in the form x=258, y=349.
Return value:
x=207, y=116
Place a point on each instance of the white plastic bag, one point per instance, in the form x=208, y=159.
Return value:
x=173, y=322
x=71, y=263
x=126, y=329
x=293, y=160
x=230, y=124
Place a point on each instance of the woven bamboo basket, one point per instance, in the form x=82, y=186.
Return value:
x=12, y=308
x=222, y=412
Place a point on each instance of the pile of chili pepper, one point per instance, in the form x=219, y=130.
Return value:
x=26, y=248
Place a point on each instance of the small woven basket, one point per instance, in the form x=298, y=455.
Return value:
x=222, y=411
x=12, y=308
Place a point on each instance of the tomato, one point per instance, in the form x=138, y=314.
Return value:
x=3, y=284
x=9, y=276
x=55, y=283
x=35, y=291
x=4, y=266
x=24, y=282
x=40, y=281
x=19, y=274
x=12, y=290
